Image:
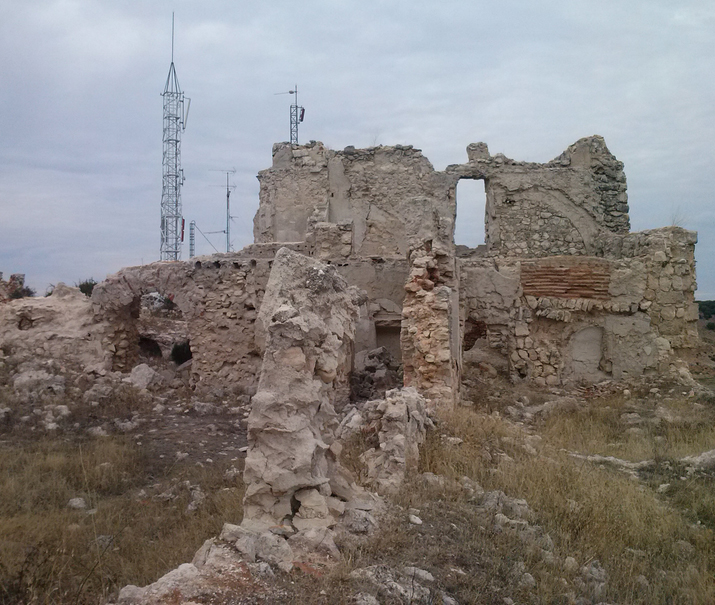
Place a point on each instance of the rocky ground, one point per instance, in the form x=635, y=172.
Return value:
x=599, y=494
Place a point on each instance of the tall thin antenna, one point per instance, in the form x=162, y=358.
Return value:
x=228, y=207
x=172, y=37
x=175, y=116
x=297, y=113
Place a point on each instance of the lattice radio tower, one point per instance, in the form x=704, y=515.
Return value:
x=297, y=113
x=175, y=116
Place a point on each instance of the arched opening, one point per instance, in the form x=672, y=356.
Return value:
x=148, y=347
x=471, y=202
x=162, y=330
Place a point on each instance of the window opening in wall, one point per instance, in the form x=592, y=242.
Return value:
x=471, y=203
x=181, y=352
x=473, y=331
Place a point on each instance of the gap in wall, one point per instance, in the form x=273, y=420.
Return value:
x=471, y=203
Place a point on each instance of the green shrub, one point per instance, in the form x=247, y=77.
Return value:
x=86, y=286
x=23, y=292
x=707, y=308
x=710, y=325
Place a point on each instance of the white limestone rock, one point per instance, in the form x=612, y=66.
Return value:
x=307, y=324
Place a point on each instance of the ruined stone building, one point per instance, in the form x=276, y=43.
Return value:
x=561, y=291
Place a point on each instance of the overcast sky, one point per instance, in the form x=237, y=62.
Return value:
x=81, y=111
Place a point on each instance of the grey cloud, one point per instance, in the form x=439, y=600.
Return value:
x=80, y=111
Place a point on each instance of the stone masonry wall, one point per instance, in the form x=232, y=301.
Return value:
x=668, y=269
x=427, y=327
x=359, y=202
x=219, y=297
x=559, y=207
x=355, y=202
x=565, y=291
x=589, y=318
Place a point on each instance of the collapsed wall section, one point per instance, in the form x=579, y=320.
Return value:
x=585, y=318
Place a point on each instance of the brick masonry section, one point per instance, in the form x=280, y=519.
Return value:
x=564, y=277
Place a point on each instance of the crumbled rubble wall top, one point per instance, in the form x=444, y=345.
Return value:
x=559, y=207
x=61, y=327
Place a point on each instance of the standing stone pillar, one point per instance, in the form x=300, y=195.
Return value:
x=430, y=329
x=307, y=321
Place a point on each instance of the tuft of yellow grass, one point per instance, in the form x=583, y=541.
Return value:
x=599, y=428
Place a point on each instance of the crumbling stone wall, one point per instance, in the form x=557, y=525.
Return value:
x=349, y=203
x=555, y=208
x=430, y=326
x=562, y=289
x=61, y=327
x=622, y=314
x=219, y=296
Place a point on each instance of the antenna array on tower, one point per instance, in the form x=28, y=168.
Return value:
x=297, y=113
x=175, y=115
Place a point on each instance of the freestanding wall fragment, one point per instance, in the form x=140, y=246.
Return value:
x=308, y=323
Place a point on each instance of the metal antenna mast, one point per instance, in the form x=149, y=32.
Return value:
x=297, y=113
x=175, y=116
x=228, y=207
x=192, y=239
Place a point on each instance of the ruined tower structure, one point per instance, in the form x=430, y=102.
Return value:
x=561, y=291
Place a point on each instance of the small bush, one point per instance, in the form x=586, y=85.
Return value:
x=707, y=308
x=24, y=292
x=710, y=325
x=86, y=286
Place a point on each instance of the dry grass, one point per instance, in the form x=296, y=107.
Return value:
x=52, y=554
x=593, y=513
x=600, y=429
